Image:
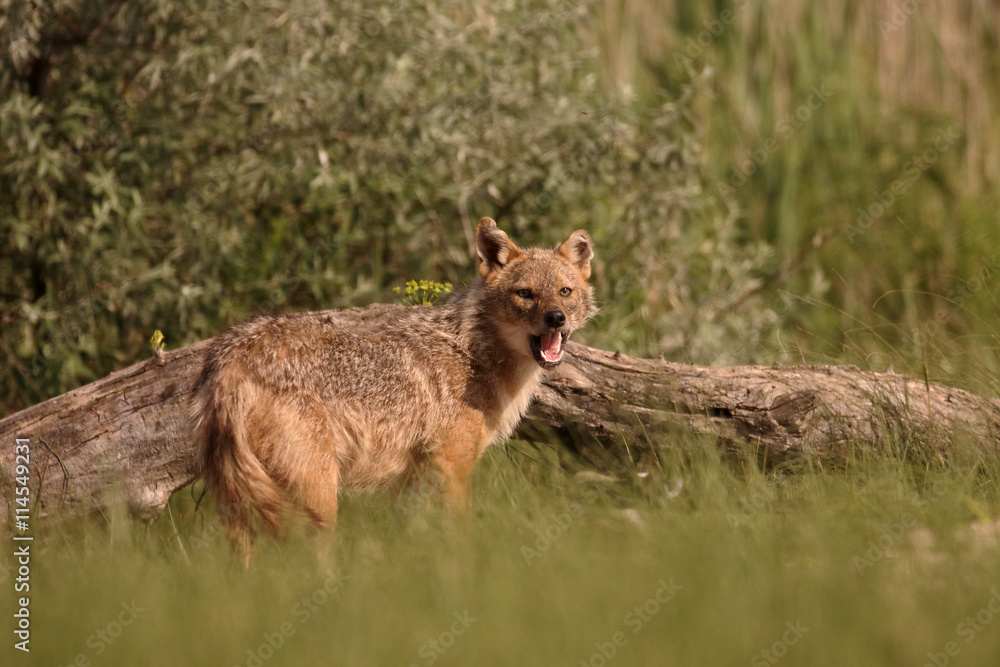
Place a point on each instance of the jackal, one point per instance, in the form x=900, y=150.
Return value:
x=289, y=408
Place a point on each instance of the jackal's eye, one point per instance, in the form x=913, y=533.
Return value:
x=524, y=293
x=566, y=291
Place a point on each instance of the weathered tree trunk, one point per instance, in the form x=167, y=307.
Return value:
x=127, y=436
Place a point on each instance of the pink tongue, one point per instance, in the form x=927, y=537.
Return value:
x=550, y=345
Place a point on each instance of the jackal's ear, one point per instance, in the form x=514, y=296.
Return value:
x=495, y=250
x=579, y=251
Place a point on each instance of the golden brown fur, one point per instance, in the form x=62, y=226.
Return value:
x=290, y=408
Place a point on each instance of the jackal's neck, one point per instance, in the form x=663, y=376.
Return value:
x=502, y=381
x=476, y=327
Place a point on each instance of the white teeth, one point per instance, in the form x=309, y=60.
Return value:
x=551, y=347
x=557, y=355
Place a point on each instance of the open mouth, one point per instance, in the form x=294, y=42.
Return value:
x=548, y=348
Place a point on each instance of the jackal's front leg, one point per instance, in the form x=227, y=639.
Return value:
x=455, y=456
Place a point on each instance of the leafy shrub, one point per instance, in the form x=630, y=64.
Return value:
x=177, y=165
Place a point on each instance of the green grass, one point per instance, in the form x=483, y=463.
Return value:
x=872, y=564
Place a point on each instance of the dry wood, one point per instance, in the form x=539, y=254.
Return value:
x=127, y=436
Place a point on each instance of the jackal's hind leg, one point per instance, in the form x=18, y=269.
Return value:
x=316, y=480
x=319, y=498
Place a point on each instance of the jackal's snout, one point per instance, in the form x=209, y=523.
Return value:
x=555, y=318
x=547, y=347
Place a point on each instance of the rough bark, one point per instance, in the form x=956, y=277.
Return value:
x=127, y=436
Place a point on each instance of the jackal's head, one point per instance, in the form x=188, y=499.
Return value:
x=535, y=297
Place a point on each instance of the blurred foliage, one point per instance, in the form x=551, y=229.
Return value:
x=179, y=165
x=879, y=194
x=761, y=179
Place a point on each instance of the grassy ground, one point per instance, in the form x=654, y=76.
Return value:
x=704, y=562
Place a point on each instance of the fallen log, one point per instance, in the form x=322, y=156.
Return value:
x=127, y=436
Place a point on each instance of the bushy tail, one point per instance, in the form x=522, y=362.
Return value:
x=235, y=476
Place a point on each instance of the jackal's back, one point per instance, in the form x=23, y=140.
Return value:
x=363, y=400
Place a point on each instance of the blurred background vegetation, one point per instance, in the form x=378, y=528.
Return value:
x=179, y=165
